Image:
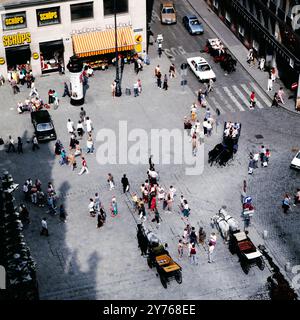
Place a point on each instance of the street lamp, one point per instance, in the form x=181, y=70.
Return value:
x=118, y=82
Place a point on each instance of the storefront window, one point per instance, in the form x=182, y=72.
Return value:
x=48, y=16
x=82, y=11
x=51, y=55
x=122, y=6
x=11, y=21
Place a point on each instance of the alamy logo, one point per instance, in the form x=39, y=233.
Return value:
x=296, y=17
x=135, y=146
x=2, y=278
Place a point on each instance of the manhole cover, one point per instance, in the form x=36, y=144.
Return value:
x=259, y=136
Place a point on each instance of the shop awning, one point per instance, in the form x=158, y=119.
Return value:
x=101, y=42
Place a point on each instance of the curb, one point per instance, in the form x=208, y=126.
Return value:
x=217, y=33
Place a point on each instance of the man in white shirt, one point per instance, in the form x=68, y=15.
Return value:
x=70, y=126
x=211, y=246
x=89, y=126
x=172, y=192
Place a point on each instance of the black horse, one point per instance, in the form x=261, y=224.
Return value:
x=221, y=154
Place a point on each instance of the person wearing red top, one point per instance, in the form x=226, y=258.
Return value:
x=84, y=167
x=252, y=99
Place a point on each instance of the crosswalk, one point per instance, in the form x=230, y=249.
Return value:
x=236, y=98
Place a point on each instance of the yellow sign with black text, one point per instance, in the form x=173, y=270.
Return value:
x=138, y=38
x=16, y=39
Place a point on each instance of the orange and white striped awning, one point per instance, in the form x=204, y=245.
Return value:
x=101, y=42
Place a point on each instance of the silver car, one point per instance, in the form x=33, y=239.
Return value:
x=193, y=25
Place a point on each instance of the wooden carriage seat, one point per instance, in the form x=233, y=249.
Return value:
x=163, y=260
x=246, y=246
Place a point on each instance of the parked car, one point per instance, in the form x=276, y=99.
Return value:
x=295, y=164
x=201, y=69
x=43, y=125
x=168, y=13
x=193, y=25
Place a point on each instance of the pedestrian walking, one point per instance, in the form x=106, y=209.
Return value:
x=33, y=90
x=252, y=100
x=193, y=252
x=62, y=213
x=157, y=70
x=209, y=128
x=24, y=213
x=275, y=100
x=66, y=90
x=280, y=95
x=273, y=74
x=26, y=191
x=262, y=153
x=193, y=236
x=158, y=76
x=14, y=86
x=20, y=146
x=82, y=115
x=201, y=236
x=35, y=143
x=261, y=65
x=194, y=144
x=55, y=99
x=156, y=216
x=172, y=71
x=79, y=129
x=101, y=217
x=180, y=249
x=44, y=231
x=297, y=198
x=11, y=145
x=139, y=82
x=70, y=126
x=91, y=208
x=113, y=88
x=97, y=202
x=90, y=144
x=136, y=89
x=110, y=180
x=270, y=83
x=165, y=83
x=211, y=247
x=286, y=203
x=210, y=86
x=84, y=167
x=125, y=183
x=114, y=207
x=89, y=125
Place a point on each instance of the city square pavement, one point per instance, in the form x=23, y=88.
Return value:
x=79, y=261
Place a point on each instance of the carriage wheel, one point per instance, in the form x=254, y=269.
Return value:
x=149, y=263
x=261, y=263
x=245, y=267
x=178, y=277
x=163, y=281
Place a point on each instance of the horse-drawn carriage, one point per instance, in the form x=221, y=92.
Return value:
x=158, y=257
x=224, y=151
x=248, y=254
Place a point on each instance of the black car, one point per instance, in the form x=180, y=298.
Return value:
x=43, y=125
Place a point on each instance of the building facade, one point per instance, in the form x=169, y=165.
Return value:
x=47, y=33
x=270, y=27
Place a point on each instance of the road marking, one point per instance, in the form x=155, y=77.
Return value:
x=249, y=92
x=260, y=93
x=233, y=98
x=240, y=94
x=218, y=92
x=215, y=102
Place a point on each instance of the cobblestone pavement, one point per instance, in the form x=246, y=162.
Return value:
x=79, y=261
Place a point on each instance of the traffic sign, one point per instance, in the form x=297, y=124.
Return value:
x=138, y=38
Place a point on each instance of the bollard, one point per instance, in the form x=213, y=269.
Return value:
x=288, y=267
x=265, y=235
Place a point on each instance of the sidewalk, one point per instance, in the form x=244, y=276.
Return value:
x=240, y=52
